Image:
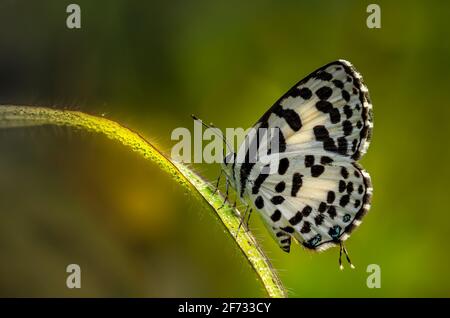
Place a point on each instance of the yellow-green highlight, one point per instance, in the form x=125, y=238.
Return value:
x=22, y=116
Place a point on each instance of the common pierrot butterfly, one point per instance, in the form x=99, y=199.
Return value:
x=318, y=193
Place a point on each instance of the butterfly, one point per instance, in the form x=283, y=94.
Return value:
x=318, y=193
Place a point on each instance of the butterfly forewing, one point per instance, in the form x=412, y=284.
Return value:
x=328, y=110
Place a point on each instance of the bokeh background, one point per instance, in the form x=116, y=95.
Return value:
x=70, y=197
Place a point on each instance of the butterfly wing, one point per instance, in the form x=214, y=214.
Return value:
x=329, y=110
x=312, y=198
x=325, y=124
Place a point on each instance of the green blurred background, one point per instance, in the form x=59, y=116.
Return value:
x=70, y=197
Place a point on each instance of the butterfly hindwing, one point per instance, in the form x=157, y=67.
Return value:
x=315, y=200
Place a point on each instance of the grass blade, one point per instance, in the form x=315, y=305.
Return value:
x=23, y=116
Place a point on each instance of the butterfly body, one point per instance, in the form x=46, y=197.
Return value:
x=315, y=191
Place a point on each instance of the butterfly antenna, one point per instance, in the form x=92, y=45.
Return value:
x=216, y=130
x=341, y=267
x=224, y=151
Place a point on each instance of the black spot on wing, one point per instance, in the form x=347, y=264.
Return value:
x=327, y=108
x=338, y=84
x=359, y=124
x=332, y=212
x=347, y=127
x=329, y=145
x=278, y=199
x=350, y=187
x=318, y=220
x=306, y=228
x=348, y=111
x=309, y=161
x=325, y=160
x=330, y=197
x=280, y=186
x=259, y=202
x=276, y=216
x=360, y=189
x=345, y=95
x=258, y=182
x=296, y=219
x=335, y=116
x=305, y=93
x=306, y=211
x=344, y=172
x=324, y=106
x=297, y=183
x=324, y=92
x=342, y=145
x=322, y=207
x=290, y=116
x=317, y=170
x=342, y=186
x=321, y=133
x=324, y=76
x=288, y=229
x=283, y=165
x=345, y=199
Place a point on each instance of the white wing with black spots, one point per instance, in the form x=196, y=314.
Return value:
x=319, y=193
x=319, y=207
x=329, y=110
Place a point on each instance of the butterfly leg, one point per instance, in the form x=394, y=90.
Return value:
x=235, y=201
x=218, y=181
x=248, y=218
x=227, y=185
x=242, y=220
